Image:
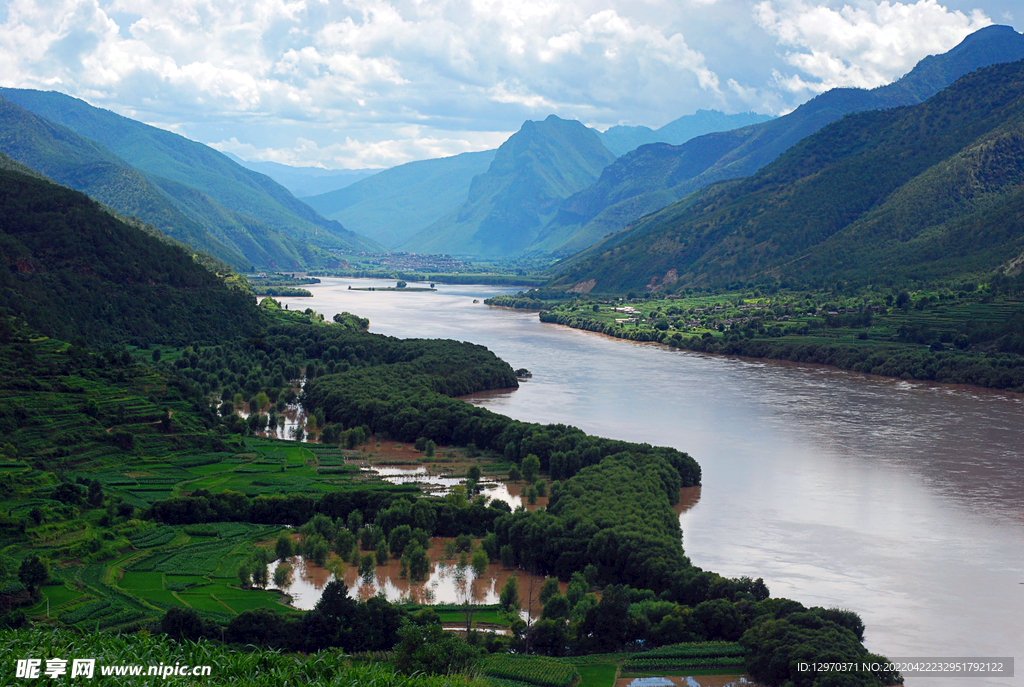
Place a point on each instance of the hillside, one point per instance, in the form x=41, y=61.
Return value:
x=165, y=155
x=392, y=205
x=73, y=270
x=532, y=172
x=651, y=177
x=622, y=139
x=927, y=192
x=60, y=154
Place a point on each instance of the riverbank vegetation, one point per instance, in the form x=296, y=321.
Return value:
x=959, y=333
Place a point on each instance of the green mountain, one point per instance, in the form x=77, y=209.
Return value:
x=65, y=157
x=71, y=269
x=653, y=176
x=165, y=155
x=392, y=205
x=509, y=204
x=928, y=192
x=622, y=139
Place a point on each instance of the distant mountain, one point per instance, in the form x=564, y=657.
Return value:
x=392, y=205
x=509, y=204
x=650, y=177
x=191, y=165
x=70, y=269
x=622, y=139
x=306, y=181
x=929, y=192
x=62, y=155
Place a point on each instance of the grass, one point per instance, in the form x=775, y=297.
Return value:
x=597, y=675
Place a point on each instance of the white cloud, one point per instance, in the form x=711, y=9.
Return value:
x=354, y=75
x=355, y=154
x=864, y=45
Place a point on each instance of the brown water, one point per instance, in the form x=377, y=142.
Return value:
x=901, y=501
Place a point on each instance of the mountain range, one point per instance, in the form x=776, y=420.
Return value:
x=925, y=192
x=182, y=187
x=305, y=181
x=653, y=176
x=509, y=204
x=622, y=139
x=392, y=205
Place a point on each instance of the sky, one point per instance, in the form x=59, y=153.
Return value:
x=371, y=83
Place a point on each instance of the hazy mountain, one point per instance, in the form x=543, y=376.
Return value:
x=67, y=158
x=306, y=181
x=532, y=172
x=622, y=139
x=650, y=177
x=392, y=205
x=191, y=165
x=931, y=191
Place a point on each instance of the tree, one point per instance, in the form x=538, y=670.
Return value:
x=509, y=597
x=282, y=574
x=157, y=354
x=473, y=473
x=33, y=572
x=382, y=552
x=427, y=648
x=419, y=564
x=549, y=589
x=430, y=448
x=514, y=475
x=95, y=497
x=508, y=556
x=283, y=547
x=244, y=573
x=531, y=466
x=480, y=562
x=367, y=569
x=401, y=284
x=182, y=623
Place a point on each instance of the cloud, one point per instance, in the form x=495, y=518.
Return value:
x=410, y=145
x=355, y=77
x=357, y=70
x=864, y=45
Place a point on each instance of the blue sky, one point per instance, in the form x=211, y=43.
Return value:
x=371, y=83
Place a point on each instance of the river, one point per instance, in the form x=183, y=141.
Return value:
x=901, y=501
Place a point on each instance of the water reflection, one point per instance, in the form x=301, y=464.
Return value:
x=448, y=582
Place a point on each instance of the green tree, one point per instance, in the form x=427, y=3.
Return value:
x=283, y=547
x=514, y=475
x=429, y=649
x=382, y=552
x=367, y=569
x=530, y=467
x=419, y=564
x=480, y=562
x=430, y=449
x=549, y=589
x=509, y=597
x=33, y=572
x=244, y=573
x=282, y=574
x=182, y=623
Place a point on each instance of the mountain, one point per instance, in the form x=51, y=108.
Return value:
x=184, y=214
x=650, y=177
x=532, y=172
x=928, y=192
x=392, y=205
x=168, y=157
x=306, y=181
x=72, y=269
x=622, y=139
x=65, y=157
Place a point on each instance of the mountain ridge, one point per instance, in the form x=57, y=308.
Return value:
x=923, y=192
